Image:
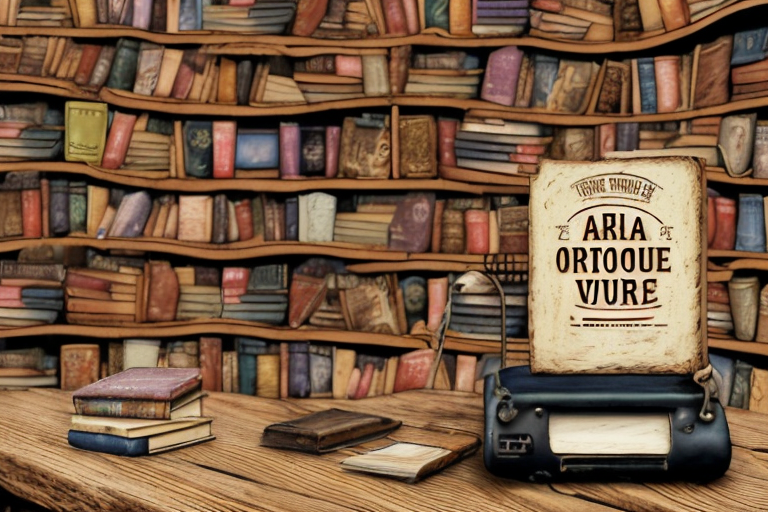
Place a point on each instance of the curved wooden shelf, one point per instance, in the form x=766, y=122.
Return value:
x=437, y=38
x=219, y=326
x=738, y=255
x=720, y=176
x=249, y=249
x=263, y=185
x=748, y=347
x=485, y=347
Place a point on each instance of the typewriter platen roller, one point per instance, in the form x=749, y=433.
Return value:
x=569, y=427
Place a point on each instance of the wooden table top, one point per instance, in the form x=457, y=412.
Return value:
x=233, y=473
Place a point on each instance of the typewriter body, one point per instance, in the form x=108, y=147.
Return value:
x=564, y=427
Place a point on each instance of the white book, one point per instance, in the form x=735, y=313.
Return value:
x=317, y=213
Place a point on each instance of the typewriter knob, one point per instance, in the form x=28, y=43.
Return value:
x=506, y=412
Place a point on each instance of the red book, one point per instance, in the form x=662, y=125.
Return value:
x=349, y=65
x=365, y=382
x=45, y=202
x=241, y=3
x=183, y=83
x=10, y=133
x=711, y=220
x=163, y=296
x=11, y=303
x=235, y=278
x=31, y=209
x=244, y=218
x=88, y=60
x=718, y=292
x=309, y=14
x=74, y=280
x=118, y=140
x=413, y=370
x=354, y=382
x=232, y=300
x=332, y=142
x=394, y=14
x=476, y=228
x=411, y=10
x=233, y=292
x=437, y=295
x=524, y=149
x=437, y=225
x=290, y=150
x=446, y=137
x=10, y=292
x=725, y=230
x=210, y=363
x=224, y=135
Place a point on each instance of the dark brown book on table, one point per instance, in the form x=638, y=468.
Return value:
x=149, y=393
x=327, y=431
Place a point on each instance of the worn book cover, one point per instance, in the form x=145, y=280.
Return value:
x=640, y=219
x=327, y=431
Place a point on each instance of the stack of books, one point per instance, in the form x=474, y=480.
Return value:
x=363, y=228
x=97, y=296
x=199, y=294
x=37, y=13
x=140, y=411
x=30, y=132
x=499, y=17
x=476, y=309
x=719, y=317
x=30, y=294
x=579, y=20
x=504, y=147
x=262, y=296
x=271, y=17
x=453, y=74
x=330, y=77
x=27, y=367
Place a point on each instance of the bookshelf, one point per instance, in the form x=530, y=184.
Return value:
x=362, y=260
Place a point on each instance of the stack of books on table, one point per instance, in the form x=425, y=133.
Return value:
x=27, y=367
x=140, y=411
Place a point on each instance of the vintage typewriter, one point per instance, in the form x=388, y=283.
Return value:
x=617, y=389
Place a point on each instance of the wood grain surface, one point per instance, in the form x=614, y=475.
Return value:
x=233, y=473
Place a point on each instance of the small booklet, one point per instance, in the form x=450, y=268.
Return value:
x=327, y=431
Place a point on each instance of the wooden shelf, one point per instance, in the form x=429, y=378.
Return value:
x=749, y=347
x=437, y=37
x=248, y=249
x=220, y=326
x=720, y=176
x=717, y=253
x=266, y=185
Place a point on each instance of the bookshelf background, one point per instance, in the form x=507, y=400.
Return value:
x=450, y=179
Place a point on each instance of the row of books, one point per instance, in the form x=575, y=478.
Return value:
x=278, y=370
x=28, y=367
x=740, y=384
x=739, y=309
x=727, y=233
x=414, y=222
x=120, y=290
x=140, y=411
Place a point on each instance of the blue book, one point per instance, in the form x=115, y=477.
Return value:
x=750, y=228
x=436, y=13
x=647, y=77
x=251, y=346
x=749, y=46
x=268, y=298
x=198, y=148
x=42, y=293
x=52, y=304
x=415, y=298
x=298, y=370
x=191, y=15
x=247, y=373
x=267, y=317
x=545, y=73
x=257, y=149
x=723, y=375
x=292, y=218
x=137, y=446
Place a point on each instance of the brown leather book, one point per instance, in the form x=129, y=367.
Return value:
x=725, y=232
x=399, y=62
x=79, y=366
x=413, y=370
x=667, y=83
x=195, y=218
x=418, y=146
x=87, y=63
x=674, y=13
x=118, y=140
x=163, y=292
x=760, y=151
x=369, y=306
x=11, y=213
x=309, y=14
x=453, y=236
x=460, y=17
x=167, y=75
x=762, y=318
x=711, y=70
x=411, y=225
x=394, y=15
x=327, y=431
x=513, y=230
x=210, y=363
x=227, y=91
x=476, y=227
x=365, y=149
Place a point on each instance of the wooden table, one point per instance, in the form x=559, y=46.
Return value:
x=233, y=473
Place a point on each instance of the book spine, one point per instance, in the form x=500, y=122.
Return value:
x=31, y=209
x=224, y=135
x=332, y=145
x=446, y=129
x=744, y=293
x=394, y=15
x=437, y=294
x=59, y=212
x=725, y=231
x=87, y=62
x=667, y=71
x=106, y=443
x=290, y=150
x=762, y=318
x=460, y=17
x=711, y=220
x=118, y=140
x=647, y=76
x=292, y=218
x=501, y=76
x=142, y=13
x=674, y=13
x=298, y=372
x=760, y=151
x=244, y=216
x=627, y=136
x=476, y=226
x=750, y=229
